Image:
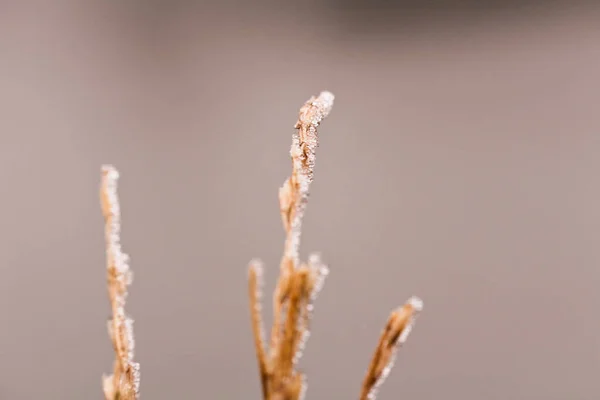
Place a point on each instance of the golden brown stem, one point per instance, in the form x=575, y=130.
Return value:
x=124, y=382
x=395, y=333
x=294, y=291
x=280, y=296
x=254, y=286
x=293, y=196
x=292, y=332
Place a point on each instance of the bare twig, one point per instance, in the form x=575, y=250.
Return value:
x=396, y=331
x=123, y=384
x=298, y=284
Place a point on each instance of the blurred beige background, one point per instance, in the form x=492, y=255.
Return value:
x=460, y=163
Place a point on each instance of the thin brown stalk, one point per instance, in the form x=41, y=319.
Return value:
x=123, y=384
x=293, y=196
x=255, y=293
x=394, y=334
x=293, y=328
x=297, y=285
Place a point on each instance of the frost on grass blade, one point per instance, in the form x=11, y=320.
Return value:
x=124, y=382
x=293, y=195
x=320, y=271
x=298, y=284
x=317, y=272
x=255, y=283
x=395, y=333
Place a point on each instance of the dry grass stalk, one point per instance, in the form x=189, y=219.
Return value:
x=299, y=283
x=398, y=326
x=124, y=382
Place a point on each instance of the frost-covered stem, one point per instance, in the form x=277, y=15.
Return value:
x=396, y=331
x=293, y=196
x=255, y=272
x=298, y=283
x=124, y=382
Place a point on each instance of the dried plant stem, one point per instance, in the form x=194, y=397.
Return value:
x=254, y=283
x=396, y=331
x=123, y=384
x=298, y=284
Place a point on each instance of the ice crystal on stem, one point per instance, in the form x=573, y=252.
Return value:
x=124, y=382
x=293, y=196
x=395, y=333
x=298, y=283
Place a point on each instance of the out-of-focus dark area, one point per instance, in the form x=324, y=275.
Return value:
x=460, y=163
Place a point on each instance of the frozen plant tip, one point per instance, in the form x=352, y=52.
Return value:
x=124, y=382
x=299, y=283
x=399, y=325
